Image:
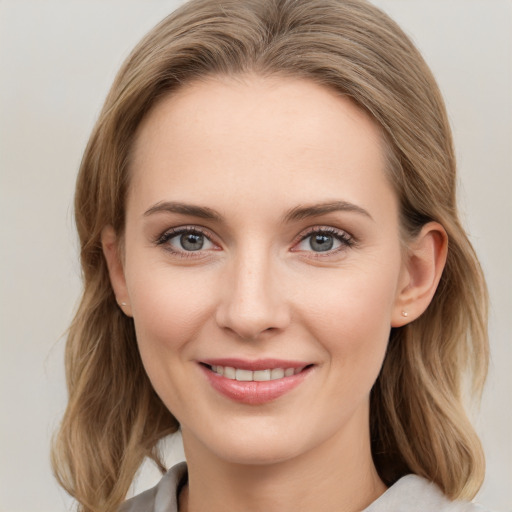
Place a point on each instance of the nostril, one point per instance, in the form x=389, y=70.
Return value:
x=251, y=316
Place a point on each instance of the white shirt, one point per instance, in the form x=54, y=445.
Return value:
x=411, y=493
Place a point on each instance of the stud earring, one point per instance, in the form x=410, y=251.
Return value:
x=123, y=303
x=405, y=314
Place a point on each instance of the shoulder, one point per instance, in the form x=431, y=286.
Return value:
x=161, y=498
x=413, y=493
x=410, y=494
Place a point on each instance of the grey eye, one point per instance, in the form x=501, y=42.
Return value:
x=325, y=240
x=321, y=242
x=188, y=240
x=192, y=241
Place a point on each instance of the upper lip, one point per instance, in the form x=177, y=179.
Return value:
x=254, y=365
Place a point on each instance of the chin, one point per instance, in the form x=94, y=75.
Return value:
x=257, y=444
x=257, y=454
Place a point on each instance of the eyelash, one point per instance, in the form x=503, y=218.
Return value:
x=168, y=235
x=346, y=240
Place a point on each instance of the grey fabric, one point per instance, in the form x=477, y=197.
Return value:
x=161, y=498
x=413, y=493
x=410, y=494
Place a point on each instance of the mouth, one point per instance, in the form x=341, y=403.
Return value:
x=256, y=382
x=243, y=375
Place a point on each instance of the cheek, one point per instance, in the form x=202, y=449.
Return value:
x=169, y=310
x=351, y=317
x=169, y=307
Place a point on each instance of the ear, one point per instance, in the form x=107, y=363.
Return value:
x=112, y=251
x=423, y=266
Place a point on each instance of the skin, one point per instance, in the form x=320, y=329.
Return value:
x=254, y=149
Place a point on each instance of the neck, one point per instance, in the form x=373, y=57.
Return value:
x=338, y=475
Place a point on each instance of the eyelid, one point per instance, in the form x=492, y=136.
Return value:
x=344, y=237
x=179, y=230
x=347, y=240
x=170, y=233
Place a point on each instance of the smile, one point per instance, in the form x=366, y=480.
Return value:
x=257, y=382
x=243, y=375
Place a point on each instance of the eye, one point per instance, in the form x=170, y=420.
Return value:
x=324, y=240
x=186, y=240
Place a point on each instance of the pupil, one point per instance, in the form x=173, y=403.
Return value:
x=321, y=243
x=192, y=242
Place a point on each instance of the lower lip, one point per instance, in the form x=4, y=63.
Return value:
x=254, y=392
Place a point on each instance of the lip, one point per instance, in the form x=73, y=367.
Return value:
x=257, y=364
x=254, y=392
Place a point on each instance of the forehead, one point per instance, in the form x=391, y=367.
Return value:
x=246, y=137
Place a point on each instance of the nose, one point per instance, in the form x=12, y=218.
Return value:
x=253, y=301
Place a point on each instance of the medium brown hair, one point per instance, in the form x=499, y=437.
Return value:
x=114, y=419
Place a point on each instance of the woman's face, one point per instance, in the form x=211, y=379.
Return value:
x=262, y=242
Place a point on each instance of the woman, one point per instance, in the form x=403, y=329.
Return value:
x=273, y=263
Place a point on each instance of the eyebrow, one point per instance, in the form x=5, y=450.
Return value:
x=305, y=212
x=186, y=209
x=295, y=214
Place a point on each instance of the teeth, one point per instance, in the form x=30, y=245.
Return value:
x=243, y=375
x=257, y=375
x=229, y=372
x=276, y=373
x=261, y=375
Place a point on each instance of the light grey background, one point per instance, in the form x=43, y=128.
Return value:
x=57, y=60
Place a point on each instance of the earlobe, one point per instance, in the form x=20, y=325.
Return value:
x=111, y=250
x=425, y=261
